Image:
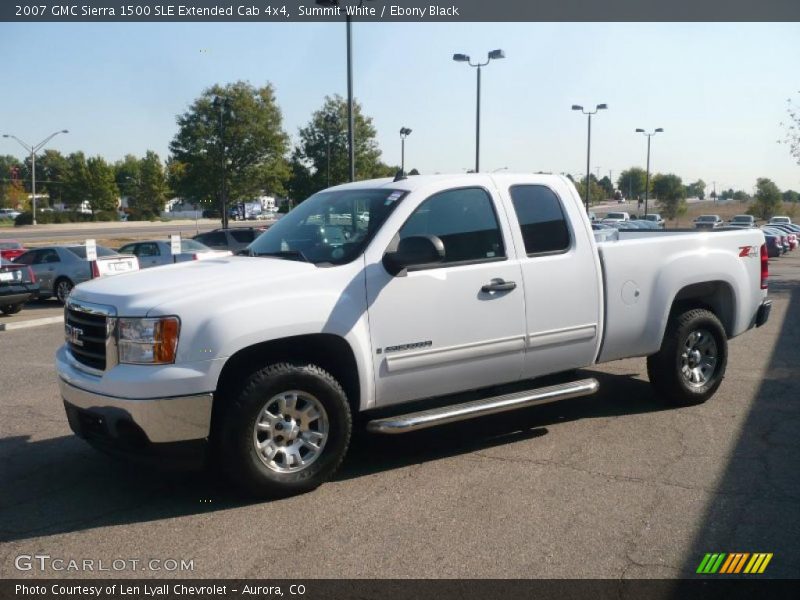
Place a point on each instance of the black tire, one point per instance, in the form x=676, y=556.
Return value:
x=11, y=309
x=61, y=288
x=681, y=372
x=240, y=457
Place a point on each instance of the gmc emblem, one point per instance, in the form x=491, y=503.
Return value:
x=74, y=335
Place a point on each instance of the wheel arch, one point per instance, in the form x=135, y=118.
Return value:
x=715, y=296
x=328, y=351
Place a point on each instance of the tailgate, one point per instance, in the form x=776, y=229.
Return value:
x=112, y=265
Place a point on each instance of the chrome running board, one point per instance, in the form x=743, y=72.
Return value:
x=486, y=406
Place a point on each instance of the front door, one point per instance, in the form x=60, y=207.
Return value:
x=439, y=329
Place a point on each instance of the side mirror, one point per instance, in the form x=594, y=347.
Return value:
x=412, y=251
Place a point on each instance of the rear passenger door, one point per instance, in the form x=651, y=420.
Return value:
x=560, y=273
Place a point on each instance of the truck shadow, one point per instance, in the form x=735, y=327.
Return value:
x=61, y=485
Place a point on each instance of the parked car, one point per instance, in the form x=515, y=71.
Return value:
x=593, y=217
x=459, y=283
x=11, y=249
x=9, y=213
x=743, y=220
x=708, y=222
x=58, y=269
x=17, y=286
x=790, y=234
x=774, y=248
x=233, y=239
x=616, y=217
x=154, y=253
x=780, y=221
x=656, y=219
x=783, y=238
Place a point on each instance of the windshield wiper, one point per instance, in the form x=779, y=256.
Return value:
x=290, y=254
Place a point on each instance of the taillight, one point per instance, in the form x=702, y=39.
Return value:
x=95, y=269
x=764, y=266
x=32, y=275
x=195, y=257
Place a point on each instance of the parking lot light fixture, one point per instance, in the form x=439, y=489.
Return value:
x=647, y=177
x=33, y=149
x=493, y=55
x=589, y=113
x=404, y=133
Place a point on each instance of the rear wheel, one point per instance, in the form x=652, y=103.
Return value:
x=287, y=431
x=63, y=287
x=11, y=309
x=691, y=363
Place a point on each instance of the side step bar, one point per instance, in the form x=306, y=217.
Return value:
x=485, y=406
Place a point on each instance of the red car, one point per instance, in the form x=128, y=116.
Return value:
x=11, y=249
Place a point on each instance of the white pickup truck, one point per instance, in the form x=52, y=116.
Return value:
x=453, y=283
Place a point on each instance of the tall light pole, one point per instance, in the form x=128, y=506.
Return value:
x=493, y=55
x=330, y=121
x=647, y=177
x=223, y=106
x=33, y=149
x=350, y=114
x=589, y=146
x=404, y=133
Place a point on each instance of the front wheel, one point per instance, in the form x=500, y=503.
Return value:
x=287, y=431
x=11, y=309
x=63, y=288
x=691, y=363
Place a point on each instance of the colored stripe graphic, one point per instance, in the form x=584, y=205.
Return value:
x=734, y=563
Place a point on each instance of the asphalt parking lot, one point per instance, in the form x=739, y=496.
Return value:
x=610, y=486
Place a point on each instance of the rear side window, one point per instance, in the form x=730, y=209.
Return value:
x=465, y=221
x=245, y=236
x=215, y=238
x=541, y=218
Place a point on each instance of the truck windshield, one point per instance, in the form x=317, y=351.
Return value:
x=615, y=216
x=710, y=218
x=330, y=227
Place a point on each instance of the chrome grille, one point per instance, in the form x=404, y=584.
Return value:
x=88, y=331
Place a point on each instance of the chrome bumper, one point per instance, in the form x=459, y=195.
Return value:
x=162, y=420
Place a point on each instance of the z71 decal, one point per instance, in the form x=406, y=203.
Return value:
x=748, y=251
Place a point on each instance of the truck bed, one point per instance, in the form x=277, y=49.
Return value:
x=644, y=271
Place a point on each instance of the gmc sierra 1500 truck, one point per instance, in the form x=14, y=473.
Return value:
x=378, y=293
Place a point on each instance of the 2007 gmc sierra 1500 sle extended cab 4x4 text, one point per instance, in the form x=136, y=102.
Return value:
x=378, y=293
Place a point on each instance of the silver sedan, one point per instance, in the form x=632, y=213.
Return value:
x=154, y=253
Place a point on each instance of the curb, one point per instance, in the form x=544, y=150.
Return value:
x=31, y=323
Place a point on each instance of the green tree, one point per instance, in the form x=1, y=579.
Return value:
x=671, y=195
x=76, y=180
x=152, y=189
x=101, y=189
x=51, y=170
x=127, y=175
x=631, y=182
x=326, y=136
x=597, y=192
x=413, y=172
x=696, y=189
x=768, y=200
x=791, y=196
x=792, y=137
x=740, y=196
x=8, y=164
x=607, y=187
x=241, y=123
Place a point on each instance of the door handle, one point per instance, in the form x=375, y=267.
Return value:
x=499, y=285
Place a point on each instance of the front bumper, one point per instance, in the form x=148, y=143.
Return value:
x=762, y=316
x=136, y=422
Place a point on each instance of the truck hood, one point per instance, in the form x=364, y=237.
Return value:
x=138, y=293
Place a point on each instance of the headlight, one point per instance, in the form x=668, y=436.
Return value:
x=147, y=341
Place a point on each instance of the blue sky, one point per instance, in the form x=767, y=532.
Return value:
x=718, y=90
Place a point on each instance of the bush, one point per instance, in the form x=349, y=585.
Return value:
x=106, y=215
x=23, y=219
x=137, y=214
x=44, y=218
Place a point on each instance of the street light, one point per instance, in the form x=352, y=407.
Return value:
x=493, y=55
x=33, y=149
x=647, y=178
x=404, y=133
x=350, y=116
x=330, y=122
x=589, y=146
x=223, y=105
